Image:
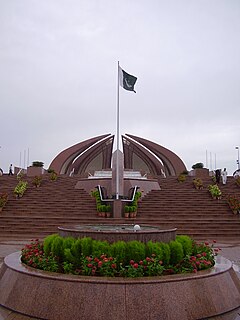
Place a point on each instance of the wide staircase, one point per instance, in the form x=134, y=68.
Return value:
x=41, y=210
x=191, y=211
x=177, y=205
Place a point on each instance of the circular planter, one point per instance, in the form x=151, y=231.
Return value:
x=57, y=296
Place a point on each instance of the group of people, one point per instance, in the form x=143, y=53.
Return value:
x=221, y=174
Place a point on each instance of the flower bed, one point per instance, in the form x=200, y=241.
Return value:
x=234, y=203
x=198, y=183
x=3, y=200
x=215, y=191
x=88, y=257
x=20, y=188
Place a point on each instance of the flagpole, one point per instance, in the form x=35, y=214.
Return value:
x=117, y=158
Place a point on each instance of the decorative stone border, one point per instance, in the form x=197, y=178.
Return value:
x=119, y=232
x=57, y=296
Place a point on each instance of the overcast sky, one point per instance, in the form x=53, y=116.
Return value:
x=58, y=76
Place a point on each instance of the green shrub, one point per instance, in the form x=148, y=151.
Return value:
x=37, y=180
x=198, y=165
x=47, y=243
x=134, y=204
x=127, y=208
x=176, y=252
x=100, y=247
x=68, y=242
x=165, y=252
x=53, y=176
x=37, y=164
x=76, y=248
x=68, y=267
x=181, y=177
x=118, y=250
x=135, y=250
x=20, y=188
x=57, y=248
x=186, y=243
x=73, y=254
x=154, y=248
x=69, y=257
x=134, y=208
x=214, y=190
x=3, y=199
x=86, y=244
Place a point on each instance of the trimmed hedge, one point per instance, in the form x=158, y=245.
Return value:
x=89, y=257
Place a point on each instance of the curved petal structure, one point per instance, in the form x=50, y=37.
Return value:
x=63, y=162
x=96, y=154
x=173, y=165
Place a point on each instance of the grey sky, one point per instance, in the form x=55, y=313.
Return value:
x=58, y=76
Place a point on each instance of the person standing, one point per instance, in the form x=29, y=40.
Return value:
x=218, y=175
x=10, y=173
x=224, y=176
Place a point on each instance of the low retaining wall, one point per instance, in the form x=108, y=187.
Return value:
x=146, y=233
x=57, y=296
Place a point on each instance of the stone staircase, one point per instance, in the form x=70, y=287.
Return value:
x=192, y=212
x=177, y=205
x=41, y=210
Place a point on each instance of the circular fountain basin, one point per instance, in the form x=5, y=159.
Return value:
x=123, y=232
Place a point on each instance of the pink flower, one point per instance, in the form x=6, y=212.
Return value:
x=131, y=262
x=135, y=265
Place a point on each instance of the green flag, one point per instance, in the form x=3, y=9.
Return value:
x=126, y=80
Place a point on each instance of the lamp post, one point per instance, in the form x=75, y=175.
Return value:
x=237, y=148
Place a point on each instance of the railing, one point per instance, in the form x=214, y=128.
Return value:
x=103, y=199
x=130, y=199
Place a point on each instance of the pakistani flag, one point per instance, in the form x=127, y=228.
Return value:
x=127, y=81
